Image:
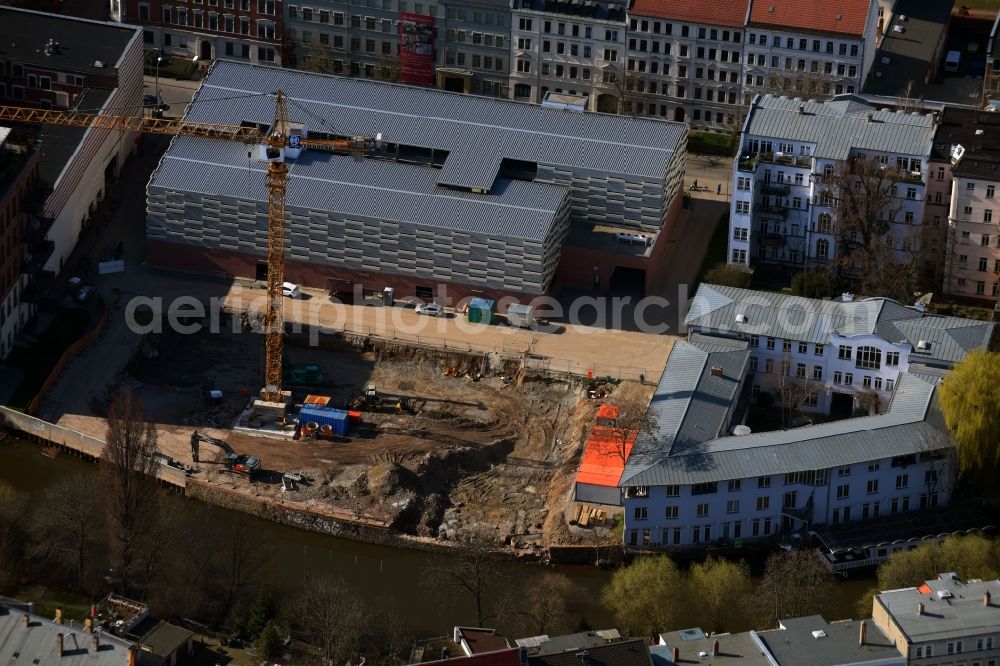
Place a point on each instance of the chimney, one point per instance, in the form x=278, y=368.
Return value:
x=862, y=633
x=987, y=598
x=130, y=656
x=95, y=643
x=59, y=645
x=716, y=370
x=26, y=620
x=675, y=655
x=715, y=648
x=802, y=109
x=58, y=618
x=871, y=117
x=920, y=608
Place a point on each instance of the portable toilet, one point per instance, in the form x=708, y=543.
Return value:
x=481, y=310
x=388, y=297
x=522, y=316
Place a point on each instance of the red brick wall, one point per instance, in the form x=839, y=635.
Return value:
x=131, y=15
x=13, y=224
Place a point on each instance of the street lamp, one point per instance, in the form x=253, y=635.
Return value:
x=156, y=86
x=194, y=66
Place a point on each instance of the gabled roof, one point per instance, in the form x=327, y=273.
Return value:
x=36, y=644
x=726, y=13
x=623, y=653
x=690, y=643
x=717, y=309
x=840, y=125
x=906, y=428
x=842, y=17
x=956, y=615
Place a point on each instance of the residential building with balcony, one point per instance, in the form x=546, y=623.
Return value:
x=44, y=69
x=969, y=144
x=357, y=39
x=811, y=49
x=783, y=209
x=698, y=480
x=947, y=620
x=577, y=48
x=477, y=48
x=685, y=61
x=250, y=30
x=19, y=160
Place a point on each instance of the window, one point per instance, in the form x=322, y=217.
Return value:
x=524, y=24
x=754, y=341
x=844, y=491
x=733, y=506
x=640, y=513
x=872, y=486
x=734, y=485
x=930, y=477
x=867, y=381
x=844, y=352
x=822, y=249
x=763, y=503
x=838, y=377
x=702, y=510
x=788, y=501
x=800, y=370
x=990, y=191
x=786, y=345
x=673, y=491
x=844, y=471
x=818, y=372
x=763, y=481
x=704, y=488
x=818, y=350
x=902, y=481
x=672, y=512
x=869, y=357
x=770, y=343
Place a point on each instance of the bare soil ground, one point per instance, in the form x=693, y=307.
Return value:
x=494, y=457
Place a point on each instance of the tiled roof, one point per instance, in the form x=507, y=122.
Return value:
x=729, y=13
x=844, y=17
x=840, y=125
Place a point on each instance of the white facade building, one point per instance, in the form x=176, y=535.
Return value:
x=782, y=212
x=568, y=48
x=695, y=483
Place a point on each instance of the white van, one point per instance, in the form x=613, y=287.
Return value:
x=952, y=60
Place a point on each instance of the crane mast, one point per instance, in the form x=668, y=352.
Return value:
x=277, y=181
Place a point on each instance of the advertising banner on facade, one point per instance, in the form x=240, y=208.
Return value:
x=416, y=49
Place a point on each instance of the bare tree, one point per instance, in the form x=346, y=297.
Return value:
x=318, y=59
x=634, y=420
x=865, y=195
x=795, y=583
x=331, y=615
x=543, y=604
x=791, y=387
x=69, y=520
x=128, y=480
x=473, y=571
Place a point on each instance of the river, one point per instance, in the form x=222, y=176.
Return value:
x=378, y=571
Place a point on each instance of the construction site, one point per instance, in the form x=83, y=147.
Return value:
x=434, y=444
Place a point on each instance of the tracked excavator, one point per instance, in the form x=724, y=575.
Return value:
x=237, y=463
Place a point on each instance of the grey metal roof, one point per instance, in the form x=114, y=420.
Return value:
x=36, y=644
x=622, y=653
x=904, y=429
x=840, y=125
x=963, y=614
x=544, y=644
x=737, y=648
x=794, y=643
x=378, y=189
x=768, y=314
x=472, y=129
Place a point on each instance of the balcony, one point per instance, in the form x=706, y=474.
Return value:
x=747, y=163
x=800, y=161
x=774, y=188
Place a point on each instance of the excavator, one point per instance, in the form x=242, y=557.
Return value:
x=237, y=463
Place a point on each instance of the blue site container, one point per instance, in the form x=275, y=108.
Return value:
x=481, y=310
x=337, y=419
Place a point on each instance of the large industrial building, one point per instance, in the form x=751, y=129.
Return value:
x=474, y=192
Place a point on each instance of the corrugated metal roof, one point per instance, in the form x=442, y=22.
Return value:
x=377, y=189
x=840, y=125
x=715, y=308
x=471, y=128
x=36, y=644
x=902, y=430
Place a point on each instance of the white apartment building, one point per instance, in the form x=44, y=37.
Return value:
x=568, y=47
x=782, y=209
x=809, y=48
x=944, y=621
x=971, y=140
x=684, y=61
x=695, y=483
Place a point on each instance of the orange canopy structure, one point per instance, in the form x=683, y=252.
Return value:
x=603, y=462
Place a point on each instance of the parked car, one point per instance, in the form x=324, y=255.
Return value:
x=291, y=290
x=431, y=309
x=84, y=293
x=149, y=101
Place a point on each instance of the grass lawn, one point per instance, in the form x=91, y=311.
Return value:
x=710, y=143
x=179, y=68
x=66, y=328
x=992, y=5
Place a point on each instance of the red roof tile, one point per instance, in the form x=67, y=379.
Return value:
x=813, y=15
x=711, y=12
x=602, y=464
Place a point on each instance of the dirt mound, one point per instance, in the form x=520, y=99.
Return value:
x=390, y=478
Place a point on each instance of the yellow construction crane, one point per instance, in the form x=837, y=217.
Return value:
x=276, y=140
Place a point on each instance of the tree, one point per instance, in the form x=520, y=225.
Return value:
x=269, y=644
x=69, y=521
x=634, y=420
x=128, y=480
x=643, y=596
x=331, y=614
x=728, y=275
x=13, y=536
x=716, y=587
x=970, y=402
x=812, y=284
x=262, y=611
x=474, y=570
x=795, y=584
x=792, y=391
x=318, y=59
x=544, y=605
x=864, y=194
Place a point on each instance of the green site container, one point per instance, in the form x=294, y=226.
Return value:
x=481, y=310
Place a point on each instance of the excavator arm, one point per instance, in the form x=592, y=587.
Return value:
x=197, y=438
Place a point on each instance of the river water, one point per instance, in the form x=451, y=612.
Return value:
x=378, y=571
